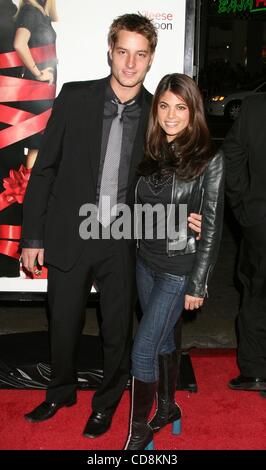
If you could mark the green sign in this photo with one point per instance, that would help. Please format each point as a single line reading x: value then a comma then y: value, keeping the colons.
x: 236, y: 6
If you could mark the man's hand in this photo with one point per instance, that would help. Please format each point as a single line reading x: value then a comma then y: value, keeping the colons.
x: 194, y: 222
x: 193, y: 302
x: 30, y: 256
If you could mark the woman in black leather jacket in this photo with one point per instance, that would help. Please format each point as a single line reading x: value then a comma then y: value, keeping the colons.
x: 179, y: 175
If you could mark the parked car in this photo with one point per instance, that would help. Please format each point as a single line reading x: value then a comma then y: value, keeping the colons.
x: 229, y: 104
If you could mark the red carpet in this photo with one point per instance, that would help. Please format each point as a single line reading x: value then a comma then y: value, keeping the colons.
x: 213, y: 418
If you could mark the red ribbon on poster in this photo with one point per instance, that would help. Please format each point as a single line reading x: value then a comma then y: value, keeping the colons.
x: 12, y: 89
x: 21, y: 89
x: 24, y: 129
x: 22, y: 125
x: 15, y: 186
x: 12, y: 115
x: 13, y: 232
x: 41, y: 54
x: 10, y: 247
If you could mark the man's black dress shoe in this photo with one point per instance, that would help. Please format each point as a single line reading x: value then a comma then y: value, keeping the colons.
x: 46, y: 410
x: 97, y: 424
x: 248, y: 383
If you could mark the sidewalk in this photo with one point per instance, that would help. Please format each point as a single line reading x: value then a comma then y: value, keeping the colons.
x: 214, y: 325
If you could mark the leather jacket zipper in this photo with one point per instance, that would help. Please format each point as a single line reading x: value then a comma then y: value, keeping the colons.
x: 206, y: 282
x: 201, y: 201
x: 168, y: 215
x: 136, y: 213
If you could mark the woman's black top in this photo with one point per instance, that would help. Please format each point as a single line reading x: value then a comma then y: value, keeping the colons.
x: 154, y: 190
x: 42, y: 33
x: 41, y: 29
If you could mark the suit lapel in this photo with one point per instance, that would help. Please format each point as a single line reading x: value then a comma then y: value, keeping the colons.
x: 138, y: 148
x: 95, y: 109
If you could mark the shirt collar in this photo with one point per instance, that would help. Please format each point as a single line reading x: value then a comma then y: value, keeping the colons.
x: 110, y: 95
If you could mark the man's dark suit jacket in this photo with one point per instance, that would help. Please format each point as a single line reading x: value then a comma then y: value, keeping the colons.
x: 245, y: 157
x: 65, y: 174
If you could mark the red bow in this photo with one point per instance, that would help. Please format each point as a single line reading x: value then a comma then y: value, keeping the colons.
x: 15, y: 186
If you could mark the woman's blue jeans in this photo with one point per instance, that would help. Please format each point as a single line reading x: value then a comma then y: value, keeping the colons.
x: 161, y: 297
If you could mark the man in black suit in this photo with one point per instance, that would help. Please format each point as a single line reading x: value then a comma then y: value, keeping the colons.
x: 67, y: 174
x: 244, y: 148
x: 71, y: 169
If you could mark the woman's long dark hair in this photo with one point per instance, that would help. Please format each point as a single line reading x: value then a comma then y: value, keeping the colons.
x: 189, y: 153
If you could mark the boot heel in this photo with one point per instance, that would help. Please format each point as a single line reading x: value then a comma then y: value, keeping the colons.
x: 176, y: 427
x: 149, y: 446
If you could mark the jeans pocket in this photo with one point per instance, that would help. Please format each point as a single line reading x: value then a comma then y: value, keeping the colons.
x: 174, y: 277
x: 171, y: 283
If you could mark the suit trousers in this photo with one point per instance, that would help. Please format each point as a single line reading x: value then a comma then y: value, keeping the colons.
x: 111, y: 264
x: 252, y: 315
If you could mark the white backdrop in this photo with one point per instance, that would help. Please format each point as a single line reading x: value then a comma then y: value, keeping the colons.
x: 82, y: 36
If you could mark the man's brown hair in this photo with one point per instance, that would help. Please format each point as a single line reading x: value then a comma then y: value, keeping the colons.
x: 136, y: 23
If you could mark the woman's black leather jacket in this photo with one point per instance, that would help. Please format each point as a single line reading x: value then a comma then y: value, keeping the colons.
x: 203, y: 195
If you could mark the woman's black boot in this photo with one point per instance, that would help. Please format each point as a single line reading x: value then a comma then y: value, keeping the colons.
x: 167, y: 410
x: 140, y: 433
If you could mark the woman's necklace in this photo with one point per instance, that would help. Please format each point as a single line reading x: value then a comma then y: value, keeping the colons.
x: 157, y: 182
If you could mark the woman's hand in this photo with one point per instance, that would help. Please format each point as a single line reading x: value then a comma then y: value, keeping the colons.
x: 46, y: 75
x: 192, y: 303
x: 21, y: 45
x: 195, y: 221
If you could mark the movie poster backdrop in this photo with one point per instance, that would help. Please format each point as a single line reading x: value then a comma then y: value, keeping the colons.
x: 77, y: 50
